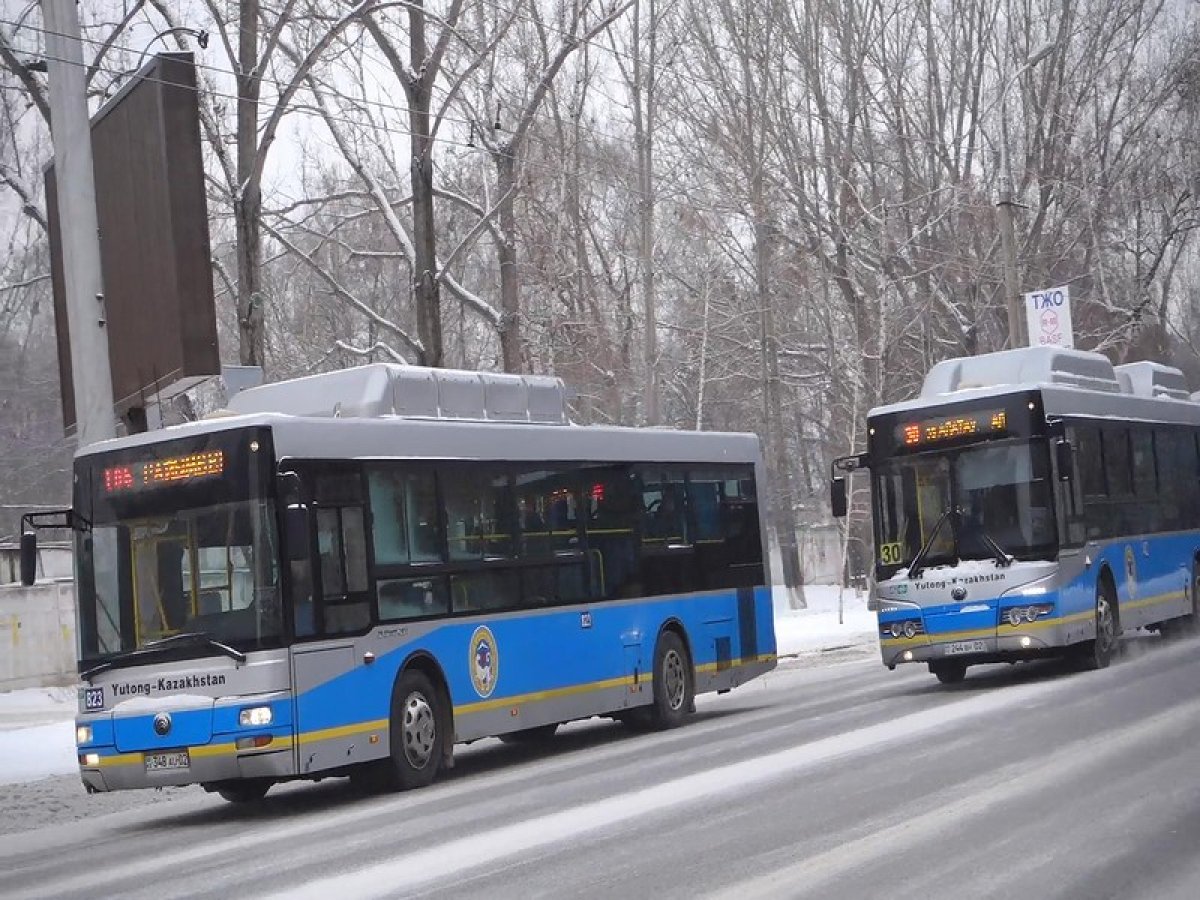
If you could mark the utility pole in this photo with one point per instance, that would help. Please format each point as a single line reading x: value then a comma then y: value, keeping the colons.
x: 78, y: 225
x: 1008, y: 241
x: 1005, y: 204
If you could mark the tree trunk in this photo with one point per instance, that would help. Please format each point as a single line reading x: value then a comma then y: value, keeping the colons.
x: 426, y: 287
x: 777, y: 459
x: 247, y: 204
x: 510, y: 303
x: 643, y: 129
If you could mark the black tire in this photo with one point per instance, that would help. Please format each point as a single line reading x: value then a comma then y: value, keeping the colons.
x: 1188, y: 625
x: 1185, y: 625
x: 416, y: 732
x: 528, y: 736
x: 250, y: 790
x: 1097, y: 653
x: 674, y: 683
x: 952, y: 672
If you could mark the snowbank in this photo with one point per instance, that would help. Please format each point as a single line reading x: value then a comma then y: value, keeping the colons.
x: 817, y: 627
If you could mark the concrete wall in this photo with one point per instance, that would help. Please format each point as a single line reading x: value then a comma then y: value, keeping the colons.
x: 37, y: 635
x: 55, y: 560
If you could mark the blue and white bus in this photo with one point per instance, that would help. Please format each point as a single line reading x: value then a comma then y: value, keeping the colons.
x: 1028, y: 503
x: 356, y: 571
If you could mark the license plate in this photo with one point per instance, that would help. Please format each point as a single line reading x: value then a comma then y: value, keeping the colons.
x: 162, y: 762
x: 966, y: 647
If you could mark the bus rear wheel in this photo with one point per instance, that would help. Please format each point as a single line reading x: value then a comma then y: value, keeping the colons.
x: 1097, y: 653
x: 951, y: 672
x: 674, y: 682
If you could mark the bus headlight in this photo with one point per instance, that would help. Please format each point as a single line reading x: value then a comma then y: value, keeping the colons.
x: 255, y: 716
x: 90, y: 760
x: 910, y: 629
x: 1014, y: 617
x: 83, y: 734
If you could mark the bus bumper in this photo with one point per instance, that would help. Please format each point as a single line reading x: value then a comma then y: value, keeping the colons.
x: 114, y: 771
x: 1008, y: 645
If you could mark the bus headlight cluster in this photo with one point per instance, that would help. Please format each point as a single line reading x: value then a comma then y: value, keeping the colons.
x: 255, y: 715
x: 1018, y: 614
x: 83, y: 734
x: 908, y: 628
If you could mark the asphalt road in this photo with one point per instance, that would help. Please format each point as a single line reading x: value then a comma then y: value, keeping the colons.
x: 844, y: 781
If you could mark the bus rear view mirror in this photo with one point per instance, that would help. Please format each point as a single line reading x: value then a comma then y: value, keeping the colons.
x: 28, y: 557
x: 1064, y: 460
x: 837, y: 497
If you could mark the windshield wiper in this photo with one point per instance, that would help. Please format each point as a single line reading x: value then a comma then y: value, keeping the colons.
x: 163, y: 646
x: 918, y: 563
x: 1003, y: 559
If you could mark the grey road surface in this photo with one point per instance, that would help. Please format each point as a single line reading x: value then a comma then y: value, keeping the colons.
x: 849, y: 781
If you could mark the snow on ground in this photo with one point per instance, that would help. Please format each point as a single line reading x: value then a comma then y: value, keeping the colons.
x: 37, y: 733
x: 817, y: 628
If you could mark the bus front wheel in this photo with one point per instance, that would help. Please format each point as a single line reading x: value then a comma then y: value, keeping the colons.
x: 951, y: 672
x: 415, y: 732
x: 249, y: 790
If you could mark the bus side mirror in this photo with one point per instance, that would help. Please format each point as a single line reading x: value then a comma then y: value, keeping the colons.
x: 295, y: 530
x: 1064, y: 460
x: 837, y: 497
x: 28, y: 557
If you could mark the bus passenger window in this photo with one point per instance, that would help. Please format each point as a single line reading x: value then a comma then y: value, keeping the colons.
x: 480, y: 511
x: 403, y: 517
x: 611, y: 509
x: 412, y: 598
x: 484, y: 591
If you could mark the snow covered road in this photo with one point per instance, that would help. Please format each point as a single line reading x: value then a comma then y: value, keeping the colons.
x: 838, y: 781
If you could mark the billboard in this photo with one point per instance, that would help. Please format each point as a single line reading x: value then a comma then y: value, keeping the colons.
x: 158, y: 305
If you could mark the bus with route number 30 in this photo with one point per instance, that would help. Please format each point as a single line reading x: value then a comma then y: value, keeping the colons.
x: 356, y: 571
x: 1029, y: 503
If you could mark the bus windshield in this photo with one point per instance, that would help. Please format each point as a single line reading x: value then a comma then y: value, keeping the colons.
x: 184, y: 543
x: 998, y: 494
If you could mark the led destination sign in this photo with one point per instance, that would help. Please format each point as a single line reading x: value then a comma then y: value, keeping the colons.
x: 160, y: 472
x: 987, y: 422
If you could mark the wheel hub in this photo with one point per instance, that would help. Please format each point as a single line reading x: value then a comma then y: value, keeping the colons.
x: 420, y: 730
x: 674, y: 679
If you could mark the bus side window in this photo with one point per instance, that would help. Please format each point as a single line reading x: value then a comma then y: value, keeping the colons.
x: 342, y: 545
x: 1089, y: 469
x: 611, y: 514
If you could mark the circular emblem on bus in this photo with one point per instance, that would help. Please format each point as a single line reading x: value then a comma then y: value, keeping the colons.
x: 959, y: 594
x: 484, y: 662
x: 1131, y: 571
x: 162, y: 724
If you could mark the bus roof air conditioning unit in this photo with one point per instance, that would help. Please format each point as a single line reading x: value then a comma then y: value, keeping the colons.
x: 1026, y: 365
x: 384, y: 389
x: 1151, y: 379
